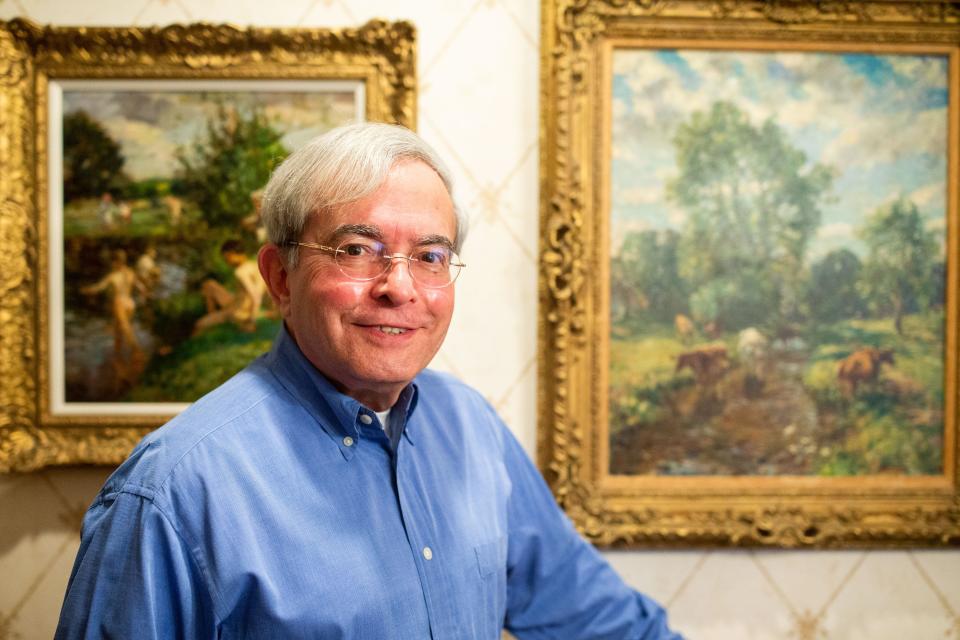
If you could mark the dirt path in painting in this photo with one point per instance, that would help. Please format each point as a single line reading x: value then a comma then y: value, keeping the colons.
x: 758, y: 422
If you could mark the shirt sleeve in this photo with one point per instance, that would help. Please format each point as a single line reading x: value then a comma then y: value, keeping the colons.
x: 558, y: 585
x: 134, y: 578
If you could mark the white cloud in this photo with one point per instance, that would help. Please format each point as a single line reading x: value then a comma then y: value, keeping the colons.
x: 893, y: 194
x: 842, y: 149
x: 676, y: 216
x: 619, y: 109
x: 623, y: 150
x: 638, y: 195
x: 658, y: 96
x: 835, y: 230
x: 619, y: 230
x: 923, y: 73
x: 147, y: 149
x: 665, y: 172
x: 797, y: 114
x: 887, y: 138
x: 934, y: 193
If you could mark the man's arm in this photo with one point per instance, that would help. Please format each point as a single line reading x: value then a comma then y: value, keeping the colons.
x: 558, y: 585
x: 98, y: 286
x: 134, y: 578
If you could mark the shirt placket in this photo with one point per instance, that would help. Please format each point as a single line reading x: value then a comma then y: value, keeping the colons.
x: 421, y: 541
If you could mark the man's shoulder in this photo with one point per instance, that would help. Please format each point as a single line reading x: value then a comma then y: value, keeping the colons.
x: 223, y: 405
x: 199, y: 427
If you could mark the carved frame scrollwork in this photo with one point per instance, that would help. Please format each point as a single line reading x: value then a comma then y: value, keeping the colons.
x: 380, y: 54
x: 573, y: 332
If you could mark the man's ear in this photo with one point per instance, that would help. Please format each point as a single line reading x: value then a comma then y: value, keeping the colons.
x: 274, y: 272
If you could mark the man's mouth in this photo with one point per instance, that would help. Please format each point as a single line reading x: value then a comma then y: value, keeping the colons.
x: 394, y: 331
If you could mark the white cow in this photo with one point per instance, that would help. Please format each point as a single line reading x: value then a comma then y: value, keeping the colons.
x: 751, y: 349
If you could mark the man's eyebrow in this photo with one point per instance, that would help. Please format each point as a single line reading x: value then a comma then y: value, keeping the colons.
x: 365, y: 230
x: 374, y: 233
x: 435, y: 239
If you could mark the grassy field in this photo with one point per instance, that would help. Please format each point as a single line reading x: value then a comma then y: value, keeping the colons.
x: 786, y: 414
x: 147, y: 220
x: 203, y: 362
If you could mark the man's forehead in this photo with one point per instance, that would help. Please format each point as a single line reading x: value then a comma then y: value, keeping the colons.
x: 348, y: 220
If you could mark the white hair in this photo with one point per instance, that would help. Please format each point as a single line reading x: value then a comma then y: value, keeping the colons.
x: 337, y: 168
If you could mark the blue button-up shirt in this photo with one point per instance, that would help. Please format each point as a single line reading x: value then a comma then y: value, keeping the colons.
x: 276, y: 507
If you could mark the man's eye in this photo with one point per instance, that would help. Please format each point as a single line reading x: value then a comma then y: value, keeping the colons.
x: 357, y: 250
x: 435, y: 256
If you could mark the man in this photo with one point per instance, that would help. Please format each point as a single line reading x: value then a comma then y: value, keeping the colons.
x: 335, y: 488
x: 242, y: 307
x: 121, y: 281
x: 147, y: 270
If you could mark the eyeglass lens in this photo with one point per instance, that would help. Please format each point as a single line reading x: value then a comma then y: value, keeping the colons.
x: 431, y: 265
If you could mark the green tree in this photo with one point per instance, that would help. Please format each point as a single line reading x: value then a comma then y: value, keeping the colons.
x: 735, y: 300
x: 753, y: 203
x: 902, y: 256
x: 938, y: 282
x: 92, y: 161
x: 832, y: 292
x: 647, y: 268
x: 229, y: 163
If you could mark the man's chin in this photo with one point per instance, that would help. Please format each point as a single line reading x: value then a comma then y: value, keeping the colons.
x: 375, y: 387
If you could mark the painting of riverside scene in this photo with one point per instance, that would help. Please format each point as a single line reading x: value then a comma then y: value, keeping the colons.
x: 778, y: 252
x: 162, y: 297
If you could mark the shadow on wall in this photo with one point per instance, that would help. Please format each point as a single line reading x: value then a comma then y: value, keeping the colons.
x: 45, y: 503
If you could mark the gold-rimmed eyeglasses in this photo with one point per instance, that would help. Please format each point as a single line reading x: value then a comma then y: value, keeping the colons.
x: 432, y: 265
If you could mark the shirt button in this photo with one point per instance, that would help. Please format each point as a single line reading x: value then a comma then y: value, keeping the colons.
x: 428, y: 553
x: 365, y: 419
x: 347, y: 441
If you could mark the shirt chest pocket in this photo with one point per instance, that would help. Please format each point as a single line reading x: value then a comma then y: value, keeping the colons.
x: 489, y: 595
x: 492, y: 557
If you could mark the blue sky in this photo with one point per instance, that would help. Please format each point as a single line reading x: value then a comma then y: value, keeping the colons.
x: 879, y: 120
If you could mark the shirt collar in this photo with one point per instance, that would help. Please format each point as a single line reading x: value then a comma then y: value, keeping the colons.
x: 402, y: 411
x: 337, y: 414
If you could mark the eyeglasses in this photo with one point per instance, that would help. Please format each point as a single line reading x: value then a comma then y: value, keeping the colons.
x: 434, y: 265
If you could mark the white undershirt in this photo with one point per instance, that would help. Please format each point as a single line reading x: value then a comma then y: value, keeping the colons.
x: 384, y: 417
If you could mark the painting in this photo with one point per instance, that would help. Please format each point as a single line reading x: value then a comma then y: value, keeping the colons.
x: 162, y: 299
x: 131, y: 198
x: 777, y: 262
x: 748, y: 326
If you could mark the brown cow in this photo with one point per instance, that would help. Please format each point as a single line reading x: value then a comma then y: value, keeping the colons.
x: 704, y: 362
x: 863, y: 365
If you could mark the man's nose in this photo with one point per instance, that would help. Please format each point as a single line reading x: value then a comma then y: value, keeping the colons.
x: 397, y: 281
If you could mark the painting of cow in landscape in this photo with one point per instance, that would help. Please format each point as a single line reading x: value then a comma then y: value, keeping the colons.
x: 778, y: 233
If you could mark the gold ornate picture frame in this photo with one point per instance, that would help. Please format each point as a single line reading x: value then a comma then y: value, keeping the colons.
x: 717, y: 372
x: 71, y: 234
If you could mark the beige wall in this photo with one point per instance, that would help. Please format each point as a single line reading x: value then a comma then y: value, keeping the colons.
x: 478, y: 72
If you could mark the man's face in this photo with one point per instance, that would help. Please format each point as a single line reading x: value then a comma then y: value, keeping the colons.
x: 348, y: 328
